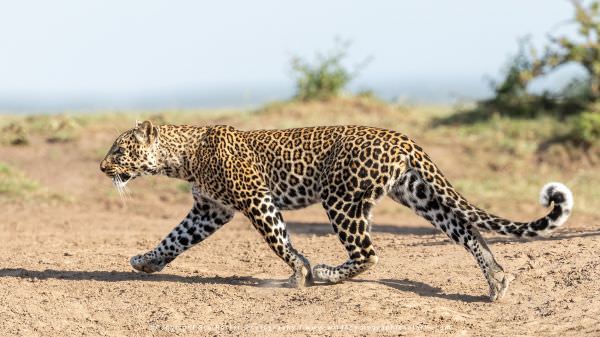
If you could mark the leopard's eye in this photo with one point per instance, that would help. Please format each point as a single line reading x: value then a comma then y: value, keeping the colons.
x: 120, y: 151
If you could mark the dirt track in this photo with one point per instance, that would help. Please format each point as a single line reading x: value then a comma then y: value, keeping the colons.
x: 65, y: 269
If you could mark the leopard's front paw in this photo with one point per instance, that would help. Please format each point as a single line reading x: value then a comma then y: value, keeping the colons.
x: 498, y: 283
x: 147, y: 263
x: 301, y: 278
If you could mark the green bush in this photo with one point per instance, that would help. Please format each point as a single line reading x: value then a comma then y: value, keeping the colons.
x: 586, y: 128
x: 511, y: 96
x: 326, y: 77
x: 576, y: 104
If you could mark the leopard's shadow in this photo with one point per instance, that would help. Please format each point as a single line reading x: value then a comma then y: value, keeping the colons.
x: 122, y: 276
x: 416, y: 287
x: 424, y: 289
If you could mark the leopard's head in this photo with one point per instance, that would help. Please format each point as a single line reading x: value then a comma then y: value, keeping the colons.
x: 133, y: 154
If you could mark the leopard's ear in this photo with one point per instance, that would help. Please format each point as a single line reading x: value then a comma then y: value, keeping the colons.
x: 145, y: 132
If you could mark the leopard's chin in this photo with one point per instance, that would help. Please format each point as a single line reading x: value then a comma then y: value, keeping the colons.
x: 124, y: 177
x: 120, y: 180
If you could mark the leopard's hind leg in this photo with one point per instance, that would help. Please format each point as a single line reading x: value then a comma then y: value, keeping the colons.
x: 354, y: 178
x: 352, y: 228
x: 412, y: 191
x: 350, y: 215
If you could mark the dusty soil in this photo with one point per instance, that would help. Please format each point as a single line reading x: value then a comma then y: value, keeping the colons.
x: 65, y: 270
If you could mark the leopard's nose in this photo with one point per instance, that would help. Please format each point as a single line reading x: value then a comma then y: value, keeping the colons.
x: 103, y: 166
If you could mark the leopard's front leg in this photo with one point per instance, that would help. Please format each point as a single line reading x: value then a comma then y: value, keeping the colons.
x: 267, y: 219
x: 204, y: 219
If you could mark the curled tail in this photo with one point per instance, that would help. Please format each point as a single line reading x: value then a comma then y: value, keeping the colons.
x: 555, y: 194
x: 457, y: 207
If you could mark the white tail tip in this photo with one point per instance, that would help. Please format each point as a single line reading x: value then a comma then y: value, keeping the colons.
x: 557, y: 193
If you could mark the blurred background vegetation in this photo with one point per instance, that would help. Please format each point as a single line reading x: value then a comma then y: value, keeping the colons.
x: 327, y: 77
x: 569, y: 116
x: 575, y: 104
x: 515, y: 129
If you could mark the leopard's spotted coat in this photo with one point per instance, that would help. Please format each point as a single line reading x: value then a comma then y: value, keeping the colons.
x: 345, y: 168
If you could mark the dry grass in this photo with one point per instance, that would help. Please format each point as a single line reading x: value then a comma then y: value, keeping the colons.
x: 14, y: 184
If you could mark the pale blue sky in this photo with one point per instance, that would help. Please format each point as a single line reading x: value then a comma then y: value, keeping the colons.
x: 126, y: 53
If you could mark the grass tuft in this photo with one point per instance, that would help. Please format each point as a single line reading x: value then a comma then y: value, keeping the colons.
x: 14, y: 134
x: 14, y: 184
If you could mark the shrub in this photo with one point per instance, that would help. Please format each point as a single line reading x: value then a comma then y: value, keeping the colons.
x: 326, y: 77
x: 511, y: 96
x: 576, y: 102
x: 586, y: 128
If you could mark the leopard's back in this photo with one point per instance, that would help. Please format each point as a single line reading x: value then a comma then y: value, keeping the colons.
x: 292, y: 161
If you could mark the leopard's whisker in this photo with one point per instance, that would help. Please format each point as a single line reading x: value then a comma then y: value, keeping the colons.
x: 126, y: 191
x: 118, y: 183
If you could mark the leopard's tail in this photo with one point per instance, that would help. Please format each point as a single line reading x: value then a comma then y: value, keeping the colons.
x: 424, y: 188
x: 552, y: 194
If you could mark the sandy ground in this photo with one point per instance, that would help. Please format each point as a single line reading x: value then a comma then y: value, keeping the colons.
x: 65, y: 270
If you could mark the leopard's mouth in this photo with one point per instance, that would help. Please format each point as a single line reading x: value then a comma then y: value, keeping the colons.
x: 121, y: 179
x: 124, y: 177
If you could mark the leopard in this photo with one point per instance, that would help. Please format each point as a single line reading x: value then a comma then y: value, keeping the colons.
x: 347, y: 169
